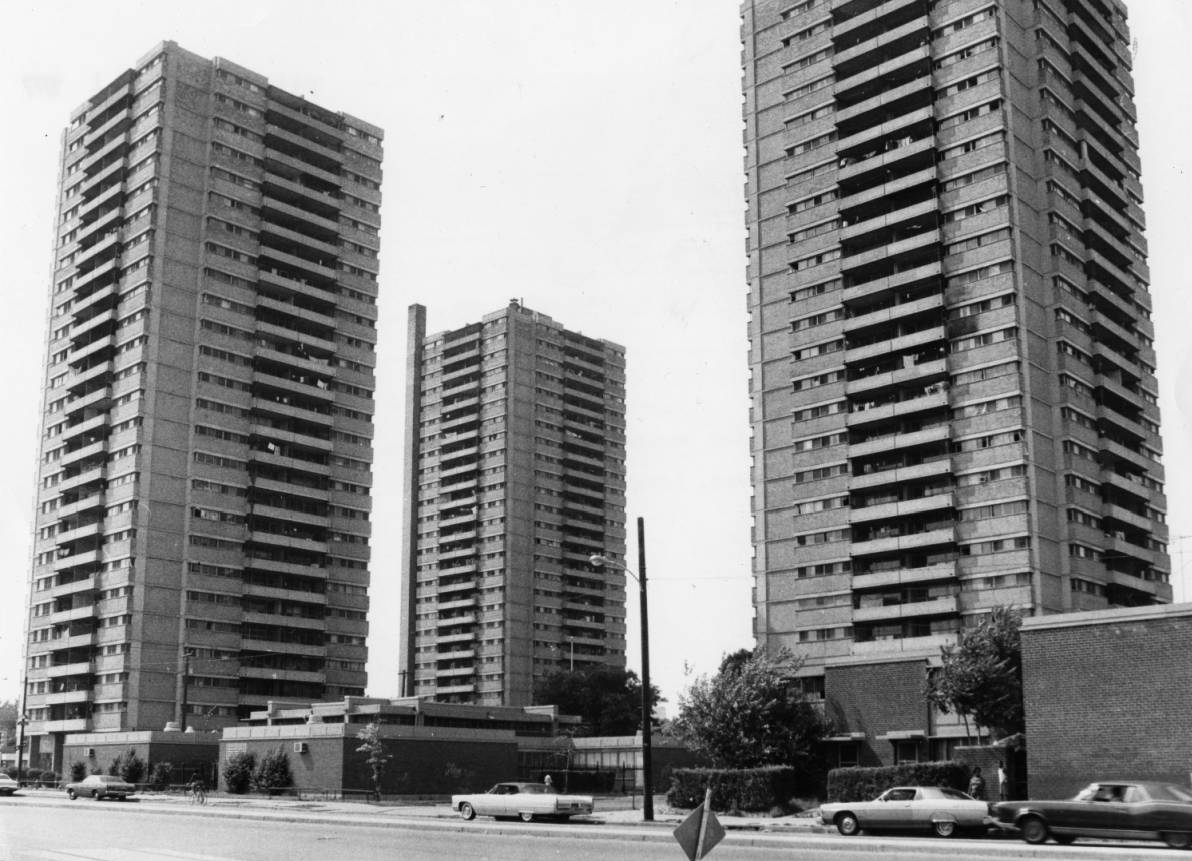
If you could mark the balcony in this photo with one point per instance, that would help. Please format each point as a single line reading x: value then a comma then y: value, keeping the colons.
x: 934, y: 607
x: 899, y: 344
x: 901, y: 508
x: 895, y: 543
x: 929, y: 645
x: 904, y: 576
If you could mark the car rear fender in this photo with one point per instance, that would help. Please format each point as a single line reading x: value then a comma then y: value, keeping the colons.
x: 1024, y: 812
x: 943, y: 816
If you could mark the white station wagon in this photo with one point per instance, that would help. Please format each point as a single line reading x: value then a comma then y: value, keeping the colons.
x: 526, y: 800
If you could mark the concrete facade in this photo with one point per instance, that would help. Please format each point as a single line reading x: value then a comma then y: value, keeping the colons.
x: 515, y: 457
x: 1107, y: 695
x: 206, y: 449
x: 953, y: 377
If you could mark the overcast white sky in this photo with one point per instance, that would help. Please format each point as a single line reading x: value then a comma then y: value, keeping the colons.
x: 584, y: 157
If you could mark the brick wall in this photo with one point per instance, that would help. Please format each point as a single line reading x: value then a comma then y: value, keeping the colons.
x: 876, y: 699
x: 1107, y: 694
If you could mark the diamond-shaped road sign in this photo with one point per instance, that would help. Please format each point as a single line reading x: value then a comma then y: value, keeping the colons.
x: 699, y: 833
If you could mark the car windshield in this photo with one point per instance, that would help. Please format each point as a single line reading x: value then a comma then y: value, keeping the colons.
x: 948, y: 792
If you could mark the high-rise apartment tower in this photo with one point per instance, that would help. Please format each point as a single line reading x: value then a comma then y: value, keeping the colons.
x: 203, y: 503
x: 954, y: 397
x: 515, y: 465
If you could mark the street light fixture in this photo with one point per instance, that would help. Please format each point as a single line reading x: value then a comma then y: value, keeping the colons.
x: 599, y: 561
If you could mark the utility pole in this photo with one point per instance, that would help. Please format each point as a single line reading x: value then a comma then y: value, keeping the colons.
x: 185, y: 680
x: 647, y: 711
x: 21, y: 721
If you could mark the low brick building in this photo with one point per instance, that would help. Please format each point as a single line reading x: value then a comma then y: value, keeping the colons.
x: 1107, y: 694
x: 880, y: 713
x: 189, y: 754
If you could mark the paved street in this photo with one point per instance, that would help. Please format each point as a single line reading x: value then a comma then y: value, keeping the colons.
x: 49, y: 828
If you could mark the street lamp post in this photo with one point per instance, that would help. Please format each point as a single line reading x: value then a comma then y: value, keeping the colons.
x: 21, y: 721
x: 647, y: 749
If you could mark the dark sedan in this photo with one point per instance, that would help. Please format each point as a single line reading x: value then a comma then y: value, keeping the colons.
x: 1115, y: 809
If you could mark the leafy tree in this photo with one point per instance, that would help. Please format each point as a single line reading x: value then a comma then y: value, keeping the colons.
x: 238, y: 772
x: 116, y: 765
x: 608, y: 699
x: 750, y: 715
x: 161, y: 774
x: 132, y: 767
x: 374, y: 747
x: 78, y: 770
x: 981, y: 678
x: 8, y: 721
x: 273, y: 772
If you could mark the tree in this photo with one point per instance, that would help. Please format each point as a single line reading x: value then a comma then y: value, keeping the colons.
x: 8, y: 722
x: 981, y: 678
x: 161, y: 775
x: 238, y: 772
x: 374, y: 747
x: 608, y: 699
x: 273, y: 772
x: 78, y: 770
x: 132, y: 767
x: 750, y: 714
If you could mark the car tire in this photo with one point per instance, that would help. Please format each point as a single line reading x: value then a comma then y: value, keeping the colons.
x: 944, y: 828
x: 95, y: 795
x: 467, y: 812
x: 1178, y: 839
x: 847, y: 824
x: 71, y: 794
x: 526, y: 817
x: 1034, y: 830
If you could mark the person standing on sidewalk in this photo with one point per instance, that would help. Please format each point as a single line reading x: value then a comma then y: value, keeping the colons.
x: 976, y: 786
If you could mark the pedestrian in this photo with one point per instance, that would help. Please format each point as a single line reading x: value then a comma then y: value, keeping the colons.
x: 550, y: 784
x: 976, y: 787
x: 1003, y: 787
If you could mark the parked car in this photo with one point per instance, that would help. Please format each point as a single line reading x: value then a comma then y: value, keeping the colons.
x: 100, y: 786
x: 7, y: 785
x: 527, y: 800
x: 1117, y: 809
x: 940, y: 809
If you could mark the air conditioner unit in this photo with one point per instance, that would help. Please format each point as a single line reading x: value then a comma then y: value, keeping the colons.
x: 300, y: 747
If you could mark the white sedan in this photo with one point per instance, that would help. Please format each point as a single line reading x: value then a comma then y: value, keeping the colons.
x: 7, y: 785
x: 527, y: 800
x: 936, y: 808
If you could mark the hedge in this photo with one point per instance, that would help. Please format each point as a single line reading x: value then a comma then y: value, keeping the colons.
x: 733, y: 788
x: 865, y: 784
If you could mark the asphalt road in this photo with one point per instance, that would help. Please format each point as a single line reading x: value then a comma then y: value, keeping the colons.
x: 115, y: 831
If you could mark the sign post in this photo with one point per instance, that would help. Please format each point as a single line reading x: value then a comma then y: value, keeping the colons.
x: 699, y: 833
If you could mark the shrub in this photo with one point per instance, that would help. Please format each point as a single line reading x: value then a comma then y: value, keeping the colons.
x: 115, y: 765
x: 864, y: 784
x: 733, y: 789
x: 78, y: 770
x: 238, y: 772
x: 273, y: 772
x: 33, y: 776
x: 132, y: 768
x: 159, y: 776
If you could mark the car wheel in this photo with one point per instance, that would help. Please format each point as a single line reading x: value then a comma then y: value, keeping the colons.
x: 526, y: 817
x: 847, y: 824
x: 1178, y: 839
x: 1034, y: 830
x: 95, y: 794
x: 944, y: 828
x: 71, y: 794
x: 467, y: 811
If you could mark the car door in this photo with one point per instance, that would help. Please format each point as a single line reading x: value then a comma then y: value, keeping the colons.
x: 893, y: 809
x: 509, y: 801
